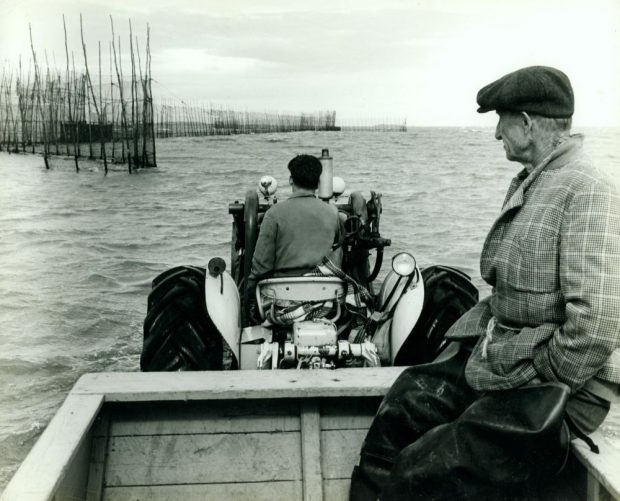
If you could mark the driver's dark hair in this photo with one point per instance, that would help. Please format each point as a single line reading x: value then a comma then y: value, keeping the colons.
x: 306, y: 171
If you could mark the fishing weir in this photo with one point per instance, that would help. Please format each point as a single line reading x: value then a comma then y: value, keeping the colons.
x: 112, y: 117
x: 178, y: 119
x: 55, y: 112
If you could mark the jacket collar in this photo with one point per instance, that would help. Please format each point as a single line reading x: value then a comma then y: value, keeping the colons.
x: 563, y: 154
x: 298, y: 194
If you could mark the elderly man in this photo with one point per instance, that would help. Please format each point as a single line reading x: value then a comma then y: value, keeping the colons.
x: 539, y: 356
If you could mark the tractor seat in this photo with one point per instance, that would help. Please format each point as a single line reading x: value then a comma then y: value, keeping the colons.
x: 288, y: 299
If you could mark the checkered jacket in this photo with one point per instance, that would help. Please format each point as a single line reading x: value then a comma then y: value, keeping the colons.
x: 553, y: 259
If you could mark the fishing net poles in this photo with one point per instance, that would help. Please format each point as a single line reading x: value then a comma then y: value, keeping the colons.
x: 98, y: 106
x: 175, y: 117
x: 51, y: 112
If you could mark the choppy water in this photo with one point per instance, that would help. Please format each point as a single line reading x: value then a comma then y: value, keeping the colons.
x: 78, y: 251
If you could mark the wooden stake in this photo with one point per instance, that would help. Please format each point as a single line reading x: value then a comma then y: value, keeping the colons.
x: 119, y: 75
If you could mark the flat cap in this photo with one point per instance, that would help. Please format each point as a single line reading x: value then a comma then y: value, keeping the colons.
x: 536, y: 89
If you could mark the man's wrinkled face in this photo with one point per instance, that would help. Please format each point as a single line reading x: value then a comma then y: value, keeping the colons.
x: 511, y: 131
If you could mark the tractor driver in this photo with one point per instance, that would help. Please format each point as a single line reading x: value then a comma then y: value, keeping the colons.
x: 297, y: 233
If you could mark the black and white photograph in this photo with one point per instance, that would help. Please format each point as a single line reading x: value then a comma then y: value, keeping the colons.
x: 310, y: 250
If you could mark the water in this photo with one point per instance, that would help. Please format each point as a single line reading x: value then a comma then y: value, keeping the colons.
x: 79, y: 251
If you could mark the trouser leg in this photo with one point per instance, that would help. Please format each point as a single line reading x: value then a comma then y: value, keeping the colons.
x: 502, y: 447
x: 587, y: 410
x: 422, y: 398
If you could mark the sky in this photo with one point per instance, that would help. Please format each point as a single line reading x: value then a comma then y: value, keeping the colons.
x: 369, y: 60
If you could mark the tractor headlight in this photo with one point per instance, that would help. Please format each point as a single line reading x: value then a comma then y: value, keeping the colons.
x: 339, y: 186
x: 267, y: 186
x: 403, y: 264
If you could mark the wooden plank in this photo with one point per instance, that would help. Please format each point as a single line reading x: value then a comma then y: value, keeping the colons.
x: 218, y: 385
x: 51, y: 457
x: 96, y: 471
x: 336, y: 489
x: 254, y: 491
x: 191, y: 459
x: 340, y: 452
x: 348, y: 413
x: 311, y: 451
x: 219, y: 416
x: 73, y: 484
x: 101, y: 425
x: 593, y: 488
x: 603, y: 468
x: 98, y: 456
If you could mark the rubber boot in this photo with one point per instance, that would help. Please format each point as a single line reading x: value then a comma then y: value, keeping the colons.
x: 422, y: 397
x: 504, y: 444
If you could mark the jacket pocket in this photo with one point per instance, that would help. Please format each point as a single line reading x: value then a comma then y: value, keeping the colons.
x: 534, y: 265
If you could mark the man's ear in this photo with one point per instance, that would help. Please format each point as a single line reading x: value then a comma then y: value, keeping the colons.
x: 526, y: 121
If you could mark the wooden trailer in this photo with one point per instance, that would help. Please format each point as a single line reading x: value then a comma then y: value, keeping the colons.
x: 238, y: 435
